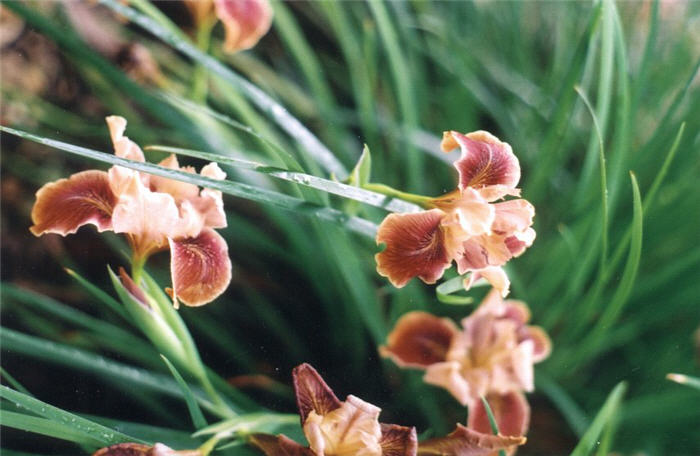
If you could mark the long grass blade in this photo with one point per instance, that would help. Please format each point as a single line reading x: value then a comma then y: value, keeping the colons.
x: 263, y: 101
x: 89, y: 428
x: 355, y: 224
x: 604, y: 417
x: 192, y: 406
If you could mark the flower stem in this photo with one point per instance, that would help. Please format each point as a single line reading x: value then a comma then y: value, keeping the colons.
x: 423, y: 201
x: 199, y: 78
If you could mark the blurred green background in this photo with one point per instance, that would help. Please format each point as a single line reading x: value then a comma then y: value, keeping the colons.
x: 621, y: 302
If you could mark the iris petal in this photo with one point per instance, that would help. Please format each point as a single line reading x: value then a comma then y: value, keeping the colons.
x: 398, y: 440
x: 200, y: 267
x: 65, y: 205
x: 245, y: 21
x: 466, y: 442
x: 419, y: 339
x: 511, y: 411
x: 415, y: 247
x: 312, y: 392
x: 485, y: 160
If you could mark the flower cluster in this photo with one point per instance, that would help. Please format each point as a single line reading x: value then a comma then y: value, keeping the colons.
x: 467, y: 225
x: 155, y: 213
x: 352, y: 428
x: 492, y: 355
x: 245, y: 21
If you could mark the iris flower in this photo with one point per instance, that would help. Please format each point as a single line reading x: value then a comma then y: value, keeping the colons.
x: 467, y: 225
x: 352, y: 428
x: 245, y: 21
x: 154, y: 213
x: 492, y: 355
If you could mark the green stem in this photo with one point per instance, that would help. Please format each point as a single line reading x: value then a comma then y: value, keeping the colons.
x: 423, y: 201
x: 137, y: 264
x: 199, y: 79
x: 215, y: 396
x: 209, y: 445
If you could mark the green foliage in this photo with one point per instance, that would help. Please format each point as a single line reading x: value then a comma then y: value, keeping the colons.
x: 584, y: 92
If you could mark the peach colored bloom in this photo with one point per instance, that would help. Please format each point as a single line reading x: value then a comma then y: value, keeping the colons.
x: 153, y: 212
x: 245, y: 21
x: 466, y: 225
x: 352, y: 428
x: 492, y: 355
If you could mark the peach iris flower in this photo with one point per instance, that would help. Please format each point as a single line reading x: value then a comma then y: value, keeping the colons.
x: 352, y: 428
x: 245, y: 21
x: 492, y: 354
x: 155, y: 213
x: 467, y: 225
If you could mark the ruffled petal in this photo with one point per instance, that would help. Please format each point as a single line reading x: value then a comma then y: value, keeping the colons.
x: 65, y: 205
x: 124, y: 449
x: 178, y: 189
x: 485, y: 160
x: 200, y: 268
x: 148, y: 217
x: 415, y: 247
x: 350, y: 430
x: 123, y: 146
x: 480, y: 252
x: 511, y: 411
x: 513, y: 216
x: 210, y: 203
x: 279, y: 445
x: 419, y: 339
x: 448, y: 375
x: 466, y: 442
x: 496, y: 276
x: 313, y: 394
x: 398, y: 440
x: 541, y: 342
x: 119, y: 176
x: 245, y: 21
x: 470, y: 211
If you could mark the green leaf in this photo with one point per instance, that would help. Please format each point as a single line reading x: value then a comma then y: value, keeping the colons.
x: 263, y: 101
x: 362, y: 172
x: 604, y: 418
x: 88, y: 428
x: 46, y: 427
x: 349, y: 191
x: 192, y: 406
x: 248, y: 423
x: 682, y: 379
x: 14, y: 383
x: 260, y: 195
x: 98, y: 293
x: 444, y: 292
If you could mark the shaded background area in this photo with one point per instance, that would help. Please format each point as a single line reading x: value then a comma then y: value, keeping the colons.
x: 393, y: 77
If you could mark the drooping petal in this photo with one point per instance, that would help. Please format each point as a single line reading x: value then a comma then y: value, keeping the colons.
x: 398, y: 440
x: 351, y: 430
x: 419, y: 339
x: 511, y: 411
x: 485, y: 160
x: 495, y: 192
x: 65, y: 205
x: 312, y: 393
x: 148, y: 217
x: 496, y: 276
x: 415, y: 247
x: 448, y: 375
x: 200, y: 267
x: 245, y: 21
x: 279, y: 445
x: 178, y: 189
x: 466, y: 442
x: 540, y: 339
